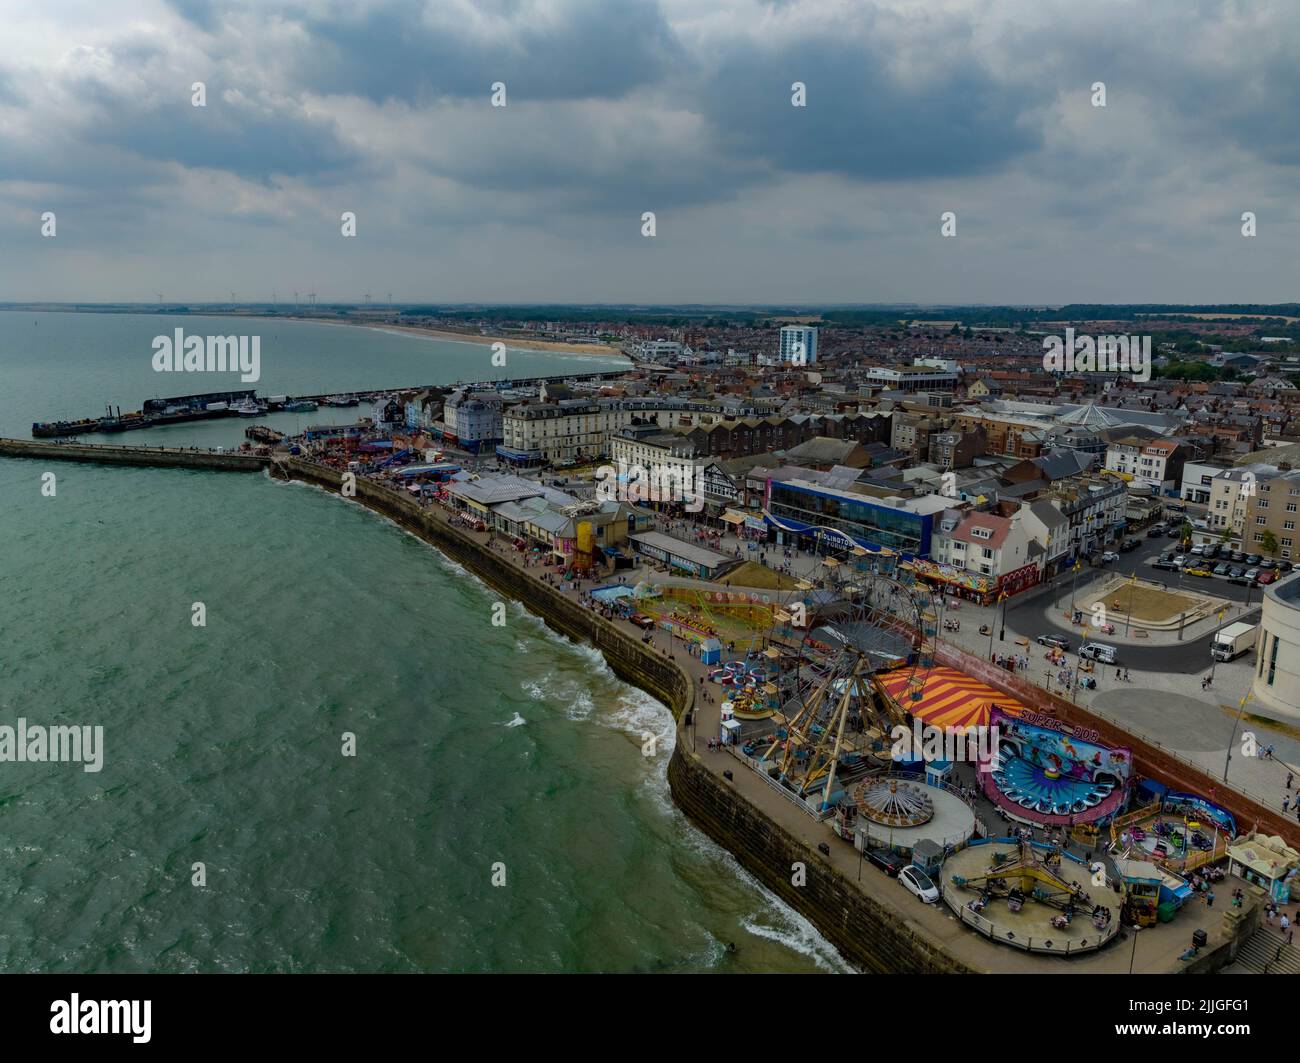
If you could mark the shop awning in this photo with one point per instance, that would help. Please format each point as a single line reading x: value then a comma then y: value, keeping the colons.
x: 732, y: 517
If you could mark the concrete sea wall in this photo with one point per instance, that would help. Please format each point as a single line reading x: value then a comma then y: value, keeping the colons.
x: 866, y: 933
x: 869, y: 935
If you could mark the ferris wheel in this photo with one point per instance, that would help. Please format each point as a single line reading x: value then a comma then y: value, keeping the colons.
x: 861, y: 613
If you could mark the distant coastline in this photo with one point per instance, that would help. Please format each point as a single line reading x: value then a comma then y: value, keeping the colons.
x: 514, y: 342
x: 509, y: 341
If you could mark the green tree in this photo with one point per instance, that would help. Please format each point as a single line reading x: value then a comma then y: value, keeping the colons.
x: 1269, y: 543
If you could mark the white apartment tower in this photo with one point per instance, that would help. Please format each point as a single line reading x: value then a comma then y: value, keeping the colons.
x: 798, y: 344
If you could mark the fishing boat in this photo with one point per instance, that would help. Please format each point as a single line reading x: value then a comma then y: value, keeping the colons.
x: 248, y: 408
x: 341, y: 400
x: 300, y: 406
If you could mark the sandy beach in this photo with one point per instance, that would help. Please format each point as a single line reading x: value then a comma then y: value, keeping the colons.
x: 509, y: 341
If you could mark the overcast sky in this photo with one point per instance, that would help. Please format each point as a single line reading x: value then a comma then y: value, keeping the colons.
x: 680, y: 107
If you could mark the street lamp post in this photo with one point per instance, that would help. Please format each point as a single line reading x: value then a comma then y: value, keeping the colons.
x: 1133, y: 957
x: 1214, y: 660
x: 1132, y: 587
x: 1241, y: 710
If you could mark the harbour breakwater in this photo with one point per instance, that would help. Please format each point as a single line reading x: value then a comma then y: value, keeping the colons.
x: 153, y: 457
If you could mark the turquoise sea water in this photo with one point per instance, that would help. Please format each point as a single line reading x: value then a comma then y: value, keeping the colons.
x: 476, y: 745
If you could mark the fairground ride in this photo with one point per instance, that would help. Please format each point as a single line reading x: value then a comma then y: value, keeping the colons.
x: 864, y: 615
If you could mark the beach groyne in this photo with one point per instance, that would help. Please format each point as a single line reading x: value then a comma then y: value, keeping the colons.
x: 152, y: 457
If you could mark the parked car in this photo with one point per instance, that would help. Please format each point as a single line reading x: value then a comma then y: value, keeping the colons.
x: 641, y: 620
x: 1198, y: 570
x: 1236, y: 572
x: 1211, y: 550
x: 1156, y: 531
x: 1108, y: 556
x: 918, y: 882
x: 887, y: 860
x: 1266, y: 576
x: 1268, y: 562
x: 1059, y: 641
x: 1221, y: 569
x: 1166, y: 562
x: 1100, y: 652
x: 1253, y: 560
x: 1198, y: 550
x: 1180, y: 560
x: 1237, y: 557
x: 1284, y: 566
x: 1250, y: 575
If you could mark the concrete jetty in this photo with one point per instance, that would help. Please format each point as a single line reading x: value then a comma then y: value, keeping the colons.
x: 158, y: 457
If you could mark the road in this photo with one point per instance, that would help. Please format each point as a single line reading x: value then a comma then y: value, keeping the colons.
x: 1025, y: 614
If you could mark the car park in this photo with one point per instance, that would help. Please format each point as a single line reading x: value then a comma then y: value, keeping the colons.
x: 887, y: 860
x: 918, y: 882
x: 1059, y: 641
x: 1100, y: 652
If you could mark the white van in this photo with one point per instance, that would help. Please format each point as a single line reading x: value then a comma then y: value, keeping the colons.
x: 1099, y: 652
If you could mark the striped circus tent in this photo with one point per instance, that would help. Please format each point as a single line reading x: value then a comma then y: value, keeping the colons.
x: 949, y: 698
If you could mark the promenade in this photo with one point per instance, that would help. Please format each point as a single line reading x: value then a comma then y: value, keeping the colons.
x: 1156, y: 951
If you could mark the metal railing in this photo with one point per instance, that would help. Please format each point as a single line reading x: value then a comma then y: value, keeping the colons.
x: 1042, y: 943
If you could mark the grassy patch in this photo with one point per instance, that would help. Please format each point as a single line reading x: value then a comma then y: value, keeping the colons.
x: 752, y: 574
x: 1148, y: 603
